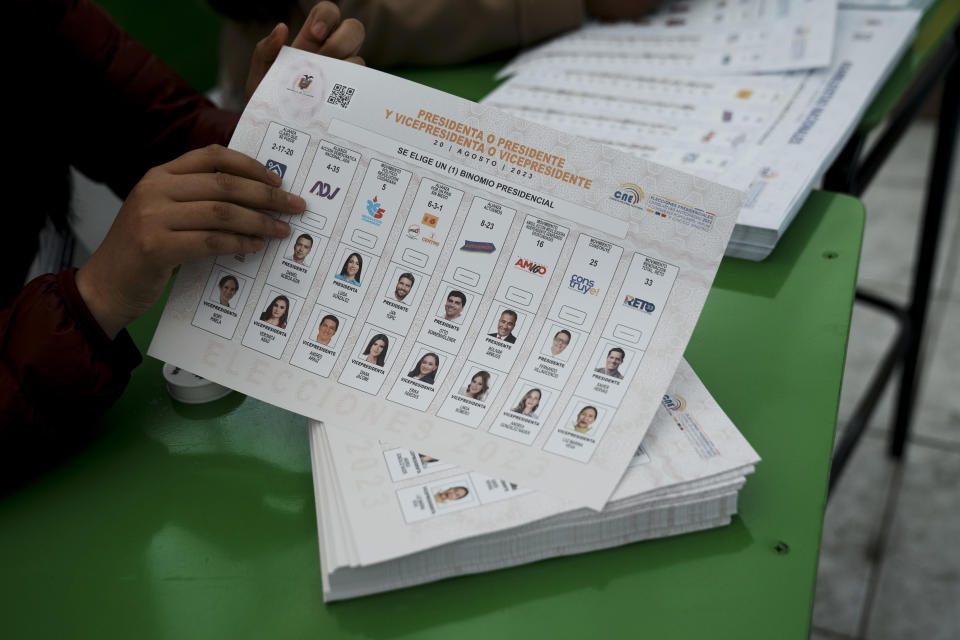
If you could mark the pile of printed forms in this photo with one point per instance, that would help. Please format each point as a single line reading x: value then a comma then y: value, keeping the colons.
x: 755, y: 94
x: 684, y: 477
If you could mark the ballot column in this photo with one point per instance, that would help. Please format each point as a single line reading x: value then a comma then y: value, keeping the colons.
x: 507, y: 324
x: 453, y: 305
x: 324, y: 191
x: 232, y: 277
x: 365, y: 235
x: 613, y: 364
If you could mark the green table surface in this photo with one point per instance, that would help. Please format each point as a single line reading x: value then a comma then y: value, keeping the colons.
x: 198, y: 521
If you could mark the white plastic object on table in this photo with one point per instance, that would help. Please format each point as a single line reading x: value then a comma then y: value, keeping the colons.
x: 190, y: 388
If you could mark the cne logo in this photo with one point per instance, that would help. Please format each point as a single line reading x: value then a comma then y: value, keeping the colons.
x: 674, y: 403
x: 532, y: 267
x: 628, y: 193
x: 638, y: 304
x: 322, y: 190
x: 769, y: 173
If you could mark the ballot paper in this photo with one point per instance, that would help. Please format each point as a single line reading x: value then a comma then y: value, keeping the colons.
x: 773, y: 134
x: 511, y: 297
x: 710, y: 126
x: 698, y: 36
x: 822, y: 115
x: 884, y: 4
x: 391, y: 517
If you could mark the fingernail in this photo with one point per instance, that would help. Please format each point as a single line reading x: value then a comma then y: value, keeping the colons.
x: 274, y: 178
x: 296, y: 202
x: 319, y: 29
x: 282, y: 228
x: 274, y: 32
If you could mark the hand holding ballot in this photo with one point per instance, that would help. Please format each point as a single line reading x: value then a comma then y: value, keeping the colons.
x: 158, y: 227
x: 323, y: 33
x: 201, y: 204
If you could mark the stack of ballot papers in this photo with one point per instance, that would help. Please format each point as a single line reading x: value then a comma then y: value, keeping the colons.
x: 505, y: 303
x: 656, y: 90
x: 391, y: 517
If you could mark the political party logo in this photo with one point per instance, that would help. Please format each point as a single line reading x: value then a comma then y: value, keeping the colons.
x: 768, y: 173
x: 628, y: 193
x: 431, y: 239
x: 374, y: 209
x: 583, y: 285
x: 473, y: 246
x: 532, y: 267
x: 638, y: 304
x: 430, y: 220
x: 744, y: 94
x: 413, y: 231
x: 374, y: 214
x: 323, y: 190
x: 674, y: 403
x: 304, y: 82
x: 277, y: 167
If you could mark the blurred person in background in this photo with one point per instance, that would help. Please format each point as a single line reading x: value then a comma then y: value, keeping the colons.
x: 414, y: 32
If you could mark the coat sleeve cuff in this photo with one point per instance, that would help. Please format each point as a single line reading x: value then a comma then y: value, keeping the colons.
x: 120, y: 352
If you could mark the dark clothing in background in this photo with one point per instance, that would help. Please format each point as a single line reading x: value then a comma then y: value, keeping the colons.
x: 93, y: 98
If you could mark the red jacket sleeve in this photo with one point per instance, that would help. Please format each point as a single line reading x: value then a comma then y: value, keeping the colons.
x: 115, y: 110
x: 129, y: 111
x: 57, y: 366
